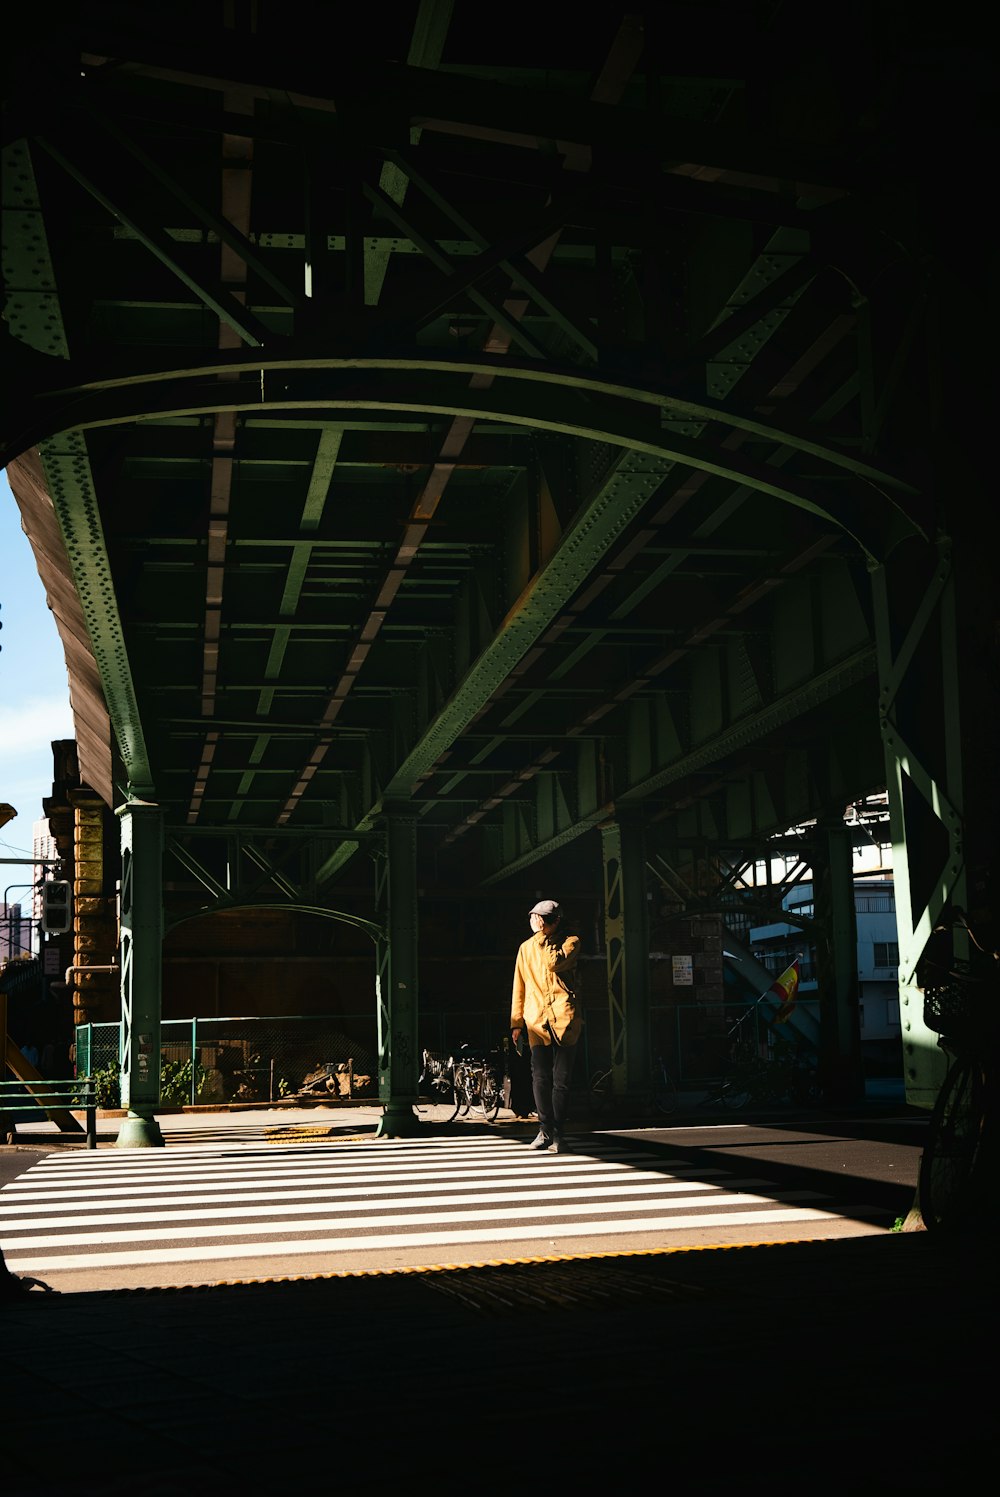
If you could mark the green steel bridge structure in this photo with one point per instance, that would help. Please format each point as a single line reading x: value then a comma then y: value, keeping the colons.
x: 460, y: 441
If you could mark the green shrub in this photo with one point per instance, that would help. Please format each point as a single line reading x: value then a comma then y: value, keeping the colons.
x: 175, y: 1082
x: 108, y: 1091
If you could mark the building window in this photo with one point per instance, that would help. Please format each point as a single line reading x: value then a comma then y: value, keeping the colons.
x: 886, y: 953
x: 892, y: 1013
x: 875, y: 904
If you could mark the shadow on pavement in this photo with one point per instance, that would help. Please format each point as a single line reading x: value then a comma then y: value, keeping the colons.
x: 816, y: 1358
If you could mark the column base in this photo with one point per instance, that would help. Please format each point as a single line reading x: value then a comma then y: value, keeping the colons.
x: 398, y: 1121
x: 138, y: 1132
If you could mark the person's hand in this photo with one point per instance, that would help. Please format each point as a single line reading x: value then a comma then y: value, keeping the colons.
x: 515, y: 1035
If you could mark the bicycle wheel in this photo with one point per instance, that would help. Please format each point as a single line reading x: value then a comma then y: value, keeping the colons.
x: 949, y: 1192
x: 463, y: 1092
x: 490, y: 1095
x: 734, y: 1094
x: 663, y: 1093
x: 452, y: 1100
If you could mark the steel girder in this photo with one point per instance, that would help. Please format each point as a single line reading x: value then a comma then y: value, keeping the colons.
x: 925, y: 764
x: 141, y: 971
x: 626, y: 944
x: 397, y: 978
x: 74, y: 498
x: 268, y: 869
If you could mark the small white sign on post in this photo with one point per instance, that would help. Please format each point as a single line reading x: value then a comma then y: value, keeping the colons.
x: 51, y: 960
x: 683, y: 970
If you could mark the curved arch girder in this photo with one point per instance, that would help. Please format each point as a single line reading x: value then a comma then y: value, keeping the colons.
x: 557, y: 401
x: 370, y: 927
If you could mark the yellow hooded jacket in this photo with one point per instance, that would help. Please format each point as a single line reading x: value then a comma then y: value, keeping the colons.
x: 543, y: 1000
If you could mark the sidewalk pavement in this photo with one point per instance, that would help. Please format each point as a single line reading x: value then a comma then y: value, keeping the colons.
x: 342, y: 1118
x: 190, y: 1123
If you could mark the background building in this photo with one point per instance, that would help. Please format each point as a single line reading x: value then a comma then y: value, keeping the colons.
x: 776, y: 945
x: 43, y: 847
x: 15, y: 932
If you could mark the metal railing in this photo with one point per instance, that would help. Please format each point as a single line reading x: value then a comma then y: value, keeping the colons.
x: 58, y: 1099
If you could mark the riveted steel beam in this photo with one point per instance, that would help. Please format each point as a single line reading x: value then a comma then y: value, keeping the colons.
x: 74, y: 498
x: 31, y: 309
x: 598, y: 524
x: 141, y: 971
x: 756, y: 726
x: 627, y: 946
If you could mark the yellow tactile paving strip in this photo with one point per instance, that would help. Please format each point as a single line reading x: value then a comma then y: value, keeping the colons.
x: 596, y: 1288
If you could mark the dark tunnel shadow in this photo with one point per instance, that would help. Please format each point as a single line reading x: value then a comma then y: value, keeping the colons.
x: 363, y: 1381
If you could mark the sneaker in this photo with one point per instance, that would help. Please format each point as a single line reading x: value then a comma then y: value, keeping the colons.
x: 542, y: 1141
x: 560, y: 1146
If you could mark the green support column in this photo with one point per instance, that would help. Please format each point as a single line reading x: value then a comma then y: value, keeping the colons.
x: 141, y: 969
x: 396, y: 979
x: 626, y: 938
x: 841, y: 1070
x: 924, y: 656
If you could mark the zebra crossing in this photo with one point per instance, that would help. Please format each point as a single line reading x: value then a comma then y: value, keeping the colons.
x: 231, y: 1200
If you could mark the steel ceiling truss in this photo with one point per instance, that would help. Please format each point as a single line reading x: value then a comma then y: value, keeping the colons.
x: 507, y: 442
x: 658, y: 748
x: 265, y: 868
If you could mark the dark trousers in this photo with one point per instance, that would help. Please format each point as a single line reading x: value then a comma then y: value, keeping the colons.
x: 551, y: 1074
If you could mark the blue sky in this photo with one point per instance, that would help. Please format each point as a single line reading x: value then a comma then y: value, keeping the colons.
x: 34, y: 688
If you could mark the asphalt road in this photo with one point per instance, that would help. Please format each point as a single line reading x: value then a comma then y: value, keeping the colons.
x: 820, y: 1178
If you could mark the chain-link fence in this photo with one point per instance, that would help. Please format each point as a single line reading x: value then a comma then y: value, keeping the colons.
x: 268, y: 1059
x: 242, y: 1060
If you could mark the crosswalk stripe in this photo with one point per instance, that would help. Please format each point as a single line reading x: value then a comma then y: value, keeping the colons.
x: 331, y: 1179
x: 375, y: 1243
x: 294, y: 1158
x: 400, y: 1219
x: 570, y: 1204
x: 16, y: 1222
x: 216, y: 1203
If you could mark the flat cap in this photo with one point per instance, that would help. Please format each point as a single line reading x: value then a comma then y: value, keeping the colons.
x: 547, y: 908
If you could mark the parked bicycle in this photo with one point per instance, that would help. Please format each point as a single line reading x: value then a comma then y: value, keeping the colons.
x: 784, y: 1074
x: 437, y: 1077
x: 464, y: 1081
x: 660, y: 1096
x: 478, y: 1084
x: 781, y: 1078
x: 955, y: 1182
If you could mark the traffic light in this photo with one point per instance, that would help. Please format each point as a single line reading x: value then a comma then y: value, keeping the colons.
x: 57, y: 914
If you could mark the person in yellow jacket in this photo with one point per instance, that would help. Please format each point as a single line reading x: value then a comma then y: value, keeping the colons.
x: 543, y: 1003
